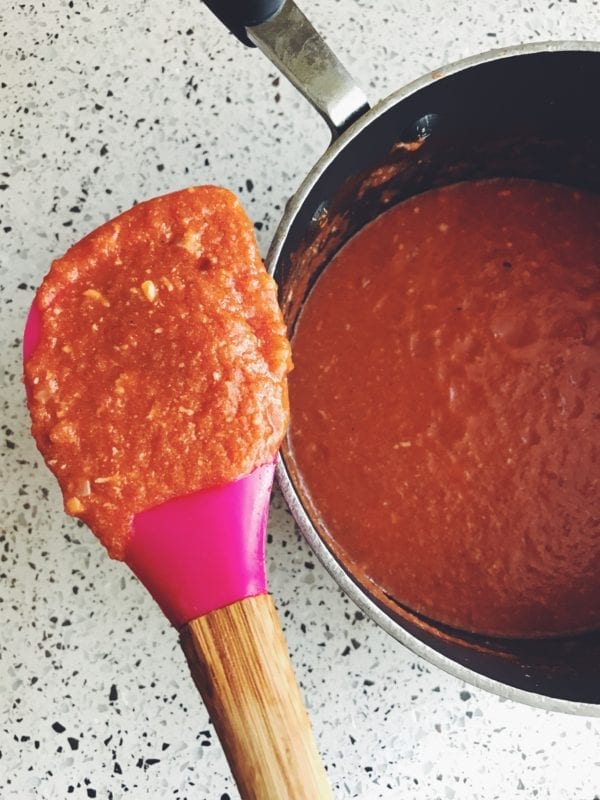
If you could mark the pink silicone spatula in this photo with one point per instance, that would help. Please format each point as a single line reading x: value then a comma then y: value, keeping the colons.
x: 202, y: 557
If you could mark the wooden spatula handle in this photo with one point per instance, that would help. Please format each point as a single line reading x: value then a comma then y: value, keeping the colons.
x: 239, y: 662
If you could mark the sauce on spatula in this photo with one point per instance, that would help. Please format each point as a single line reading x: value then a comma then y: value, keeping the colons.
x: 161, y: 360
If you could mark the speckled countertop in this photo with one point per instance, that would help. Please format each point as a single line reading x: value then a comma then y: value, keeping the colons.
x: 106, y: 103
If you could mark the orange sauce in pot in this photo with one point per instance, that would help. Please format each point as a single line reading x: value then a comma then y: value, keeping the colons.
x: 446, y: 405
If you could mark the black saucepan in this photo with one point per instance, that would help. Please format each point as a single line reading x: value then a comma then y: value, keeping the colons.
x: 527, y: 111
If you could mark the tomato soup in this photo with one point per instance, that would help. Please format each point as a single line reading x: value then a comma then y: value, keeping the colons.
x: 446, y: 406
x: 161, y: 366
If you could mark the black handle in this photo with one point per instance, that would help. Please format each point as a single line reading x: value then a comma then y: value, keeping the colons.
x: 237, y: 15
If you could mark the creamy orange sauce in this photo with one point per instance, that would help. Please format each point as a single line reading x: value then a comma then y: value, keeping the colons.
x: 446, y: 405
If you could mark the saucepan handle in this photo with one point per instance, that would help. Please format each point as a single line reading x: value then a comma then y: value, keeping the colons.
x: 286, y: 37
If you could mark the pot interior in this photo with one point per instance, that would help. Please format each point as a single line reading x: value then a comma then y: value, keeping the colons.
x: 528, y: 115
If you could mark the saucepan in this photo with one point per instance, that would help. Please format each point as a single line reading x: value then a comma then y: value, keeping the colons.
x: 526, y: 111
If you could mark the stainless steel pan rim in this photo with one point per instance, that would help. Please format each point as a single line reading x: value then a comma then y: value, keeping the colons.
x: 352, y: 589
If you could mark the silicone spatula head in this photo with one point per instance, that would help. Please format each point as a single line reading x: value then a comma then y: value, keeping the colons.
x: 155, y: 364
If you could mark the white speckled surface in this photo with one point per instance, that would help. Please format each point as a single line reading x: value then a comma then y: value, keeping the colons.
x: 102, y: 104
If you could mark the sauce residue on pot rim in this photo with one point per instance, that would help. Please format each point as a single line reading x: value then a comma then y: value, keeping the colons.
x: 162, y: 362
x: 445, y: 405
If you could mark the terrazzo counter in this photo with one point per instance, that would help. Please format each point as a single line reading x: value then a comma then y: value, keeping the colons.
x: 103, y: 105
